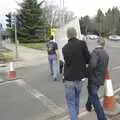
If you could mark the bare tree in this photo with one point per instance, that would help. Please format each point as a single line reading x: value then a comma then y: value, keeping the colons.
x: 53, y: 14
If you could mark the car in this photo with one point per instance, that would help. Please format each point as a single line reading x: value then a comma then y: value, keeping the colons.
x: 114, y: 37
x: 83, y: 37
x: 92, y: 37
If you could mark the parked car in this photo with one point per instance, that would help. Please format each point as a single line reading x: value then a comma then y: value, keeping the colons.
x: 83, y: 37
x: 114, y: 37
x: 92, y: 37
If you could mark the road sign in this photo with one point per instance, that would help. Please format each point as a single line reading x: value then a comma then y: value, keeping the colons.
x: 53, y: 31
x: 61, y: 37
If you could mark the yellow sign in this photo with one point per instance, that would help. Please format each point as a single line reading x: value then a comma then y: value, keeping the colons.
x: 53, y: 31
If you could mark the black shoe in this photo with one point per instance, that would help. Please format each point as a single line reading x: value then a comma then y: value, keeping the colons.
x: 55, y: 79
x: 88, y: 107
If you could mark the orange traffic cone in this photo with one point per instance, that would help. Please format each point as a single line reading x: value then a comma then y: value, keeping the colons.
x: 109, y: 99
x: 12, y: 72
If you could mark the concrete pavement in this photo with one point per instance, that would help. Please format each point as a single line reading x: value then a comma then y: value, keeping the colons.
x: 92, y: 116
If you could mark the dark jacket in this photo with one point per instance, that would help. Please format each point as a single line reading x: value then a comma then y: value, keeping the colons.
x: 51, y: 47
x: 97, y: 66
x: 76, y: 56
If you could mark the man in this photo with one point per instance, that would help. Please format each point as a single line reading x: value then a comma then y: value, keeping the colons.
x: 96, y: 75
x: 52, y: 49
x: 76, y: 56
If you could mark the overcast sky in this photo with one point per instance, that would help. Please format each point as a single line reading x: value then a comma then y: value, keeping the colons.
x: 80, y: 7
x: 90, y: 7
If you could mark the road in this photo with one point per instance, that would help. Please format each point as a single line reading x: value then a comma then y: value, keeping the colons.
x: 37, y: 97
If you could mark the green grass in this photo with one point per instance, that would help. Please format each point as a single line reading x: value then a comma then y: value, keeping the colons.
x: 40, y: 46
x: 7, y: 56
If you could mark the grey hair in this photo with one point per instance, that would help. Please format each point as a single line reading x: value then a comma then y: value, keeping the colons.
x: 71, y: 32
x: 101, y: 41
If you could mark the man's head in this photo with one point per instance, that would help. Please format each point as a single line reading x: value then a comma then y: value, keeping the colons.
x: 71, y: 32
x: 51, y: 37
x: 101, y: 42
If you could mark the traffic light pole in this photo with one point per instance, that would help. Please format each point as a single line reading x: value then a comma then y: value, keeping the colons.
x: 16, y: 41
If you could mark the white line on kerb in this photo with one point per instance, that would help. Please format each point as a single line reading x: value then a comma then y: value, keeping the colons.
x: 7, y: 82
x: 117, y: 90
x: 116, y: 68
x: 41, y: 97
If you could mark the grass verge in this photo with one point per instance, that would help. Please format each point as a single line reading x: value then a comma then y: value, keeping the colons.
x: 40, y: 46
x: 7, y: 56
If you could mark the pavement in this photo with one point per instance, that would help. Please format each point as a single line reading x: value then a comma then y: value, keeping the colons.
x: 27, y: 56
x: 31, y: 57
x: 92, y: 116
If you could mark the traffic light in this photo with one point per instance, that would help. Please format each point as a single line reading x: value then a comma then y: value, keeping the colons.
x: 9, y: 20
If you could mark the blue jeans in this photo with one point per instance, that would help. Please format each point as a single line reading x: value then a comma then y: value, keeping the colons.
x: 72, y: 95
x: 54, y: 66
x: 93, y: 99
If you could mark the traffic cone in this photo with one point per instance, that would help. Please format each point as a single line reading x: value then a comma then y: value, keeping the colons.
x: 11, y: 72
x: 109, y: 101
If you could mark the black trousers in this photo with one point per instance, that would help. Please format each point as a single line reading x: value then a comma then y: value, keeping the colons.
x: 61, y: 66
x: 93, y: 99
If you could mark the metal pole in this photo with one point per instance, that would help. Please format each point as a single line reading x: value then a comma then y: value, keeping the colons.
x: 63, y: 22
x: 16, y: 41
x: 60, y: 20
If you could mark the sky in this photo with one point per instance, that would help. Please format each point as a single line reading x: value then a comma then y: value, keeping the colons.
x: 79, y: 7
x: 90, y: 7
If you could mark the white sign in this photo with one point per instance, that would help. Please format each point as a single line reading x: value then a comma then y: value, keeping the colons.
x: 61, y: 36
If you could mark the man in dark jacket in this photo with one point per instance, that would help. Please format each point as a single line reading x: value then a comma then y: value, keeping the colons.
x: 76, y: 56
x: 96, y: 76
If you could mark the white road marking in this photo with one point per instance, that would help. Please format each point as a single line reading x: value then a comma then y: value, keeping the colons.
x: 116, y: 68
x: 64, y: 118
x: 80, y: 115
x: 41, y: 97
x: 117, y: 90
x: 116, y: 46
x: 21, y: 82
x: 7, y: 82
